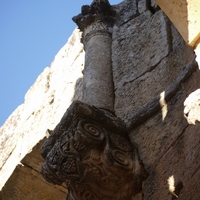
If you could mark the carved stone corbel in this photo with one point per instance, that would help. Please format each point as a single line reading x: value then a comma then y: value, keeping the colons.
x: 91, y: 152
x: 90, y: 149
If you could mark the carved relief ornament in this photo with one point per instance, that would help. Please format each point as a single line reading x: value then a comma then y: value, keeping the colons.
x: 97, y: 18
x: 90, y: 151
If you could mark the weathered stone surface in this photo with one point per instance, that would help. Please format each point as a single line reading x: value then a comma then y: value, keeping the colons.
x: 97, y: 83
x: 91, y: 152
x: 96, y: 22
x: 44, y: 104
x: 149, y: 56
x: 142, y: 6
x: 140, y: 48
x: 32, y: 160
x: 185, y: 16
x: 192, y: 107
x: 26, y: 183
x: 160, y: 102
x: 170, y: 147
x: 126, y: 10
x: 181, y: 161
x: 7, y: 138
x: 138, y: 71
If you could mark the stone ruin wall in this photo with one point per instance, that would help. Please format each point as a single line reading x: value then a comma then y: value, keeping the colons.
x: 26, y: 129
x: 153, y: 73
x: 149, y: 59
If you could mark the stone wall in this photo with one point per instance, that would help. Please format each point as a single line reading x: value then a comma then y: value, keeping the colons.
x: 154, y: 71
x: 26, y: 129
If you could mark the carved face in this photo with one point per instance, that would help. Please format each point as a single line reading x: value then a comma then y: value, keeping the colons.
x: 93, y: 155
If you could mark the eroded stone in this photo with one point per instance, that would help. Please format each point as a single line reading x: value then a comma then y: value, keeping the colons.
x: 90, y: 151
x: 192, y: 107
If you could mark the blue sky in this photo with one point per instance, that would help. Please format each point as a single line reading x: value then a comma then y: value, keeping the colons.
x: 31, y: 34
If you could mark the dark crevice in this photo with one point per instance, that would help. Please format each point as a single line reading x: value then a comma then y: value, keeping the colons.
x: 194, y: 173
x: 29, y: 167
x: 169, y: 34
x: 125, y: 22
x: 151, y: 8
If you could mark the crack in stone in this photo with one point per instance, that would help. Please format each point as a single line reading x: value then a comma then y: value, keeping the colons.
x: 147, y: 71
x: 153, y: 106
x: 173, y: 143
x: 60, y: 187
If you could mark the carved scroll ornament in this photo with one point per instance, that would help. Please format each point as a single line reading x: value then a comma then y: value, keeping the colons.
x: 90, y: 151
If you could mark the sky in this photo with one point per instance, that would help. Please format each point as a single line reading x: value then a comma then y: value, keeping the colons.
x: 31, y: 34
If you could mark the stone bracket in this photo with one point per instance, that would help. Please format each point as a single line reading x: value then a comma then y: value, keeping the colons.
x: 91, y: 152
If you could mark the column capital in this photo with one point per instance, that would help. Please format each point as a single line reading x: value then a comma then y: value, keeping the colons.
x: 100, y: 14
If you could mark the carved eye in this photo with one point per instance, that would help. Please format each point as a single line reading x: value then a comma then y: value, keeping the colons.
x: 91, y: 133
x: 88, y: 195
x: 120, y: 159
x: 92, y: 129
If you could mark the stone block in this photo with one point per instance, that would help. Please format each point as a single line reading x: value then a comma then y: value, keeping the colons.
x: 180, y: 162
x: 8, y: 136
x: 185, y: 16
x: 170, y: 147
x: 126, y: 11
x: 25, y: 183
x: 136, y: 50
x: 142, y: 6
x: 140, y: 75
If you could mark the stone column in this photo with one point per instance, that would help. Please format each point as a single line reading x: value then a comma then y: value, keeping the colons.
x: 90, y: 149
x: 96, y: 22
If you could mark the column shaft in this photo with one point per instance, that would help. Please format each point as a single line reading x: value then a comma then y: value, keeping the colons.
x: 98, y: 80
